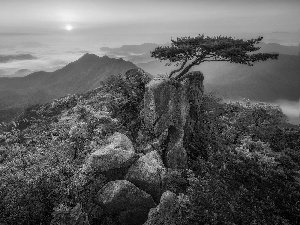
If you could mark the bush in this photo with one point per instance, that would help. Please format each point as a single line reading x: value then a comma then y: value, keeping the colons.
x: 243, y: 186
x: 241, y: 179
x: 128, y: 99
x: 40, y: 159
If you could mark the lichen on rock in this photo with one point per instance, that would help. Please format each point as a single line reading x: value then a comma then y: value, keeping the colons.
x: 165, y: 109
x: 166, y: 212
x: 118, y: 153
x: 146, y: 173
x: 168, y: 105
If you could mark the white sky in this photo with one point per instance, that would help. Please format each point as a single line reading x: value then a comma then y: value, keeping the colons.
x: 151, y: 16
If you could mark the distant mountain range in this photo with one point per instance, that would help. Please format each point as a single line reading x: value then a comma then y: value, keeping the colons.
x: 84, y: 74
x: 132, y: 53
x: 269, y: 81
x: 273, y: 81
x: 141, y: 53
x: 280, y: 49
x: 131, y: 49
x: 265, y: 81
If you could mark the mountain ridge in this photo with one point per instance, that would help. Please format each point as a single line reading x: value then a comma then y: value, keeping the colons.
x: 79, y: 76
x: 137, y: 49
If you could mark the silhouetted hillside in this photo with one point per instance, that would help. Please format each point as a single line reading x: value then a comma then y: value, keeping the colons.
x: 76, y: 161
x: 84, y: 74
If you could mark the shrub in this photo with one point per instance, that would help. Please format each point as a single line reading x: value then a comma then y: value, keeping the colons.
x: 128, y: 99
x: 241, y: 179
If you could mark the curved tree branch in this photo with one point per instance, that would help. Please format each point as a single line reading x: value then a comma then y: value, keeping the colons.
x: 216, y: 60
x: 177, y: 70
x: 197, y: 61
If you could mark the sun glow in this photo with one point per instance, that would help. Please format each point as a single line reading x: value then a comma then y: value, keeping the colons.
x: 68, y: 27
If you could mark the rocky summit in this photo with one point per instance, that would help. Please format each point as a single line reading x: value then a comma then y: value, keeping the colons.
x: 137, y: 151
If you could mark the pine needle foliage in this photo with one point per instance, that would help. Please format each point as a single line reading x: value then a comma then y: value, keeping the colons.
x: 187, y: 52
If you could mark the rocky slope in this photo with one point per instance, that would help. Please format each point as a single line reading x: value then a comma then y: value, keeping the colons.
x: 79, y: 160
x: 127, y: 179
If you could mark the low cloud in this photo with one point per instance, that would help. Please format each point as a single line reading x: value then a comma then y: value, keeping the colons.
x: 9, y: 58
x: 291, y: 109
x: 44, y: 59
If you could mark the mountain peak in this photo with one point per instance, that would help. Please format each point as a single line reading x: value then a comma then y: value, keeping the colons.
x: 89, y: 56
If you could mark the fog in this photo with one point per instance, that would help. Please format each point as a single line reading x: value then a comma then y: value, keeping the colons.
x: 291, y: 109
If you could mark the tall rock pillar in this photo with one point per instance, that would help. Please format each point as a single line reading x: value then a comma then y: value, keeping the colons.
x: 167, y: 107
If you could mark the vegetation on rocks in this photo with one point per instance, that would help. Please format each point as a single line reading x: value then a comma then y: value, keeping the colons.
x: 243, y: 163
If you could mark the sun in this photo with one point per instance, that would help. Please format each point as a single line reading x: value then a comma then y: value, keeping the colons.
x: 68, y: 27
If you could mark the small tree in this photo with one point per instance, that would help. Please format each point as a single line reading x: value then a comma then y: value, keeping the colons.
x: 187, y: 52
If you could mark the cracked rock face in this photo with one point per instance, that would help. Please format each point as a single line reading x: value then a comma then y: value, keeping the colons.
x: 166, y: 107
x: 146, y: 173
x: 119, y: 153
x: 165, y: 212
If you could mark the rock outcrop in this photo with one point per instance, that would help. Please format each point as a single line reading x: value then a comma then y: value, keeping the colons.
x: 123, y: 198
x: 126, y: 200
x: 194, y: 87
x: 146, y: 173
x: 165, y: 212
x: 170, y: 107
x: 118, y: 153
x: 166, y: 108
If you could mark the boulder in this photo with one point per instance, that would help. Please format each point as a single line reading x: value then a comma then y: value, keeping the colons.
x: 166, y: 108
x: 165, y: 212
x: 121, y: 195
x: 118, y: 153
x: 146, y: 173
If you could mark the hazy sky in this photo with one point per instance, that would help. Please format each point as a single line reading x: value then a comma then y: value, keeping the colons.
x: 57, y: 32
x: 149, y: 16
